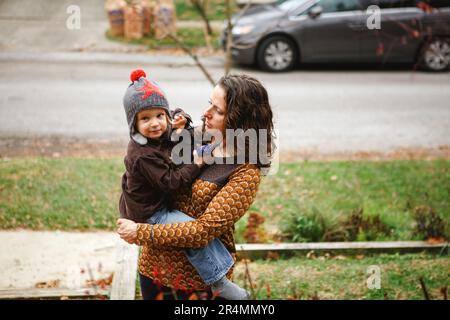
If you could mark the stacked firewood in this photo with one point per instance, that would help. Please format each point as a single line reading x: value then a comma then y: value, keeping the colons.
x: 134, y: 19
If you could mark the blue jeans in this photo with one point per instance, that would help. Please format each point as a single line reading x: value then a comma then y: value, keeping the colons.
x: 211, y: 262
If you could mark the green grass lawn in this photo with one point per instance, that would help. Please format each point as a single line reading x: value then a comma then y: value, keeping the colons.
x: 216, y: 10
x: 331, y: 191
x: 302, y: 278
x: 59, y: 194
x: 344, y: 277
x: 82, y: 194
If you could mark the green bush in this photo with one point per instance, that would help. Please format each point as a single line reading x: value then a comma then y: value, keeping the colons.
x: 315, y: 227
x: 310, y: 227
x: 428, y: 224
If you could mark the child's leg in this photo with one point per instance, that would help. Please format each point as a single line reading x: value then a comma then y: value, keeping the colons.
x: 211, y: 262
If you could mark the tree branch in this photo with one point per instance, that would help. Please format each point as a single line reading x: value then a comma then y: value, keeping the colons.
x: 193, y: 56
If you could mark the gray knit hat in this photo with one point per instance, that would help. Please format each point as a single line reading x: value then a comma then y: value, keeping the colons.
x: 142, y: 94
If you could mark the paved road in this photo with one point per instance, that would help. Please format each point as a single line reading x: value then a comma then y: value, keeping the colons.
x: 78, y: 94
x: 326, y: 111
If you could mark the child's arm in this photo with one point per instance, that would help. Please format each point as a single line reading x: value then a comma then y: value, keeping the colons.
x: 227, y: 207
x: 164, y: 175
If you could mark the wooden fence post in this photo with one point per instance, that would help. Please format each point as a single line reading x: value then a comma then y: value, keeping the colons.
x: 124, y: 281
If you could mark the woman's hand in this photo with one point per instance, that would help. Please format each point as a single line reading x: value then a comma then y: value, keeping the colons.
x: 127, y: 230
x: 198, y: 160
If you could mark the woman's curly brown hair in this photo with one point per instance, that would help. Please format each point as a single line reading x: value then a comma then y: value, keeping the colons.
x: 248, y: 107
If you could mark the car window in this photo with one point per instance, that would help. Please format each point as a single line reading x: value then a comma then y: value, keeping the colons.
x: 339, y: 5
x: 290, y: 5
x: 386, y: 4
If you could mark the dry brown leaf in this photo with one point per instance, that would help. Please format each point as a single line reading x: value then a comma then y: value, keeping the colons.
x: 48, y: 284
x: 435, y: 240
x: 311, y: 255
x: 102, y: 283
x: 193, y: 296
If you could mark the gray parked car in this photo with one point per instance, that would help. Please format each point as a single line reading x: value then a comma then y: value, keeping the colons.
x: 278, y: 36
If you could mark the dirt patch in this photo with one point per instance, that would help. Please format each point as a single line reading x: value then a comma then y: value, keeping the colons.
x: 58, y: 147
x: 441, y: 152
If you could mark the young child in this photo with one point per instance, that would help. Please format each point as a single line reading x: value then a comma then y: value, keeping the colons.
x: 151, y: 178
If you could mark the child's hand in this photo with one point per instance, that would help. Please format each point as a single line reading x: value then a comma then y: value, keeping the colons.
x: 179, y: 122
x: 204, y: 152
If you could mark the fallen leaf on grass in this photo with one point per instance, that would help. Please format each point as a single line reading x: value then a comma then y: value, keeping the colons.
x: 435, y: 240
x: 272, y: 255
x: 311, y: 255
x: 268, y: 291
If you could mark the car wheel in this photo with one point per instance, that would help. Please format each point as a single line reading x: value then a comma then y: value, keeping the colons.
x: 436, y: 55
x: 277, y: 54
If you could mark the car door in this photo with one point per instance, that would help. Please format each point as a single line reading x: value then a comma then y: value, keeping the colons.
x: 334, y: 35
x: 400, y: 34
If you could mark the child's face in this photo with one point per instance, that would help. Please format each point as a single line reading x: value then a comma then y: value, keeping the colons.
x: 152, y: 123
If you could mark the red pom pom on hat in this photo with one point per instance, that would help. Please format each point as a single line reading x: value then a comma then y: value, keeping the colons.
x: 136, y: 74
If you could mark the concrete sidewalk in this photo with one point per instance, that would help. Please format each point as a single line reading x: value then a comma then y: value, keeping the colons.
x: 39, y: 26
x: 62, y: 259
x: 153, y: 59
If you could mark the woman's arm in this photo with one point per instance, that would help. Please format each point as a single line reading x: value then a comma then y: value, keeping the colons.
x: 227, y: 207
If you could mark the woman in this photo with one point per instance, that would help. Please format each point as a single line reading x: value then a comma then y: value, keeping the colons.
x: 219, y: 197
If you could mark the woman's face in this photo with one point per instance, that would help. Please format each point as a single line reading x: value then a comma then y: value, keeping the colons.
x: 216, y: 111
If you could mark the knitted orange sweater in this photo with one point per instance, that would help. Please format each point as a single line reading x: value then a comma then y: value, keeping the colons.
x: 218, y: 198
